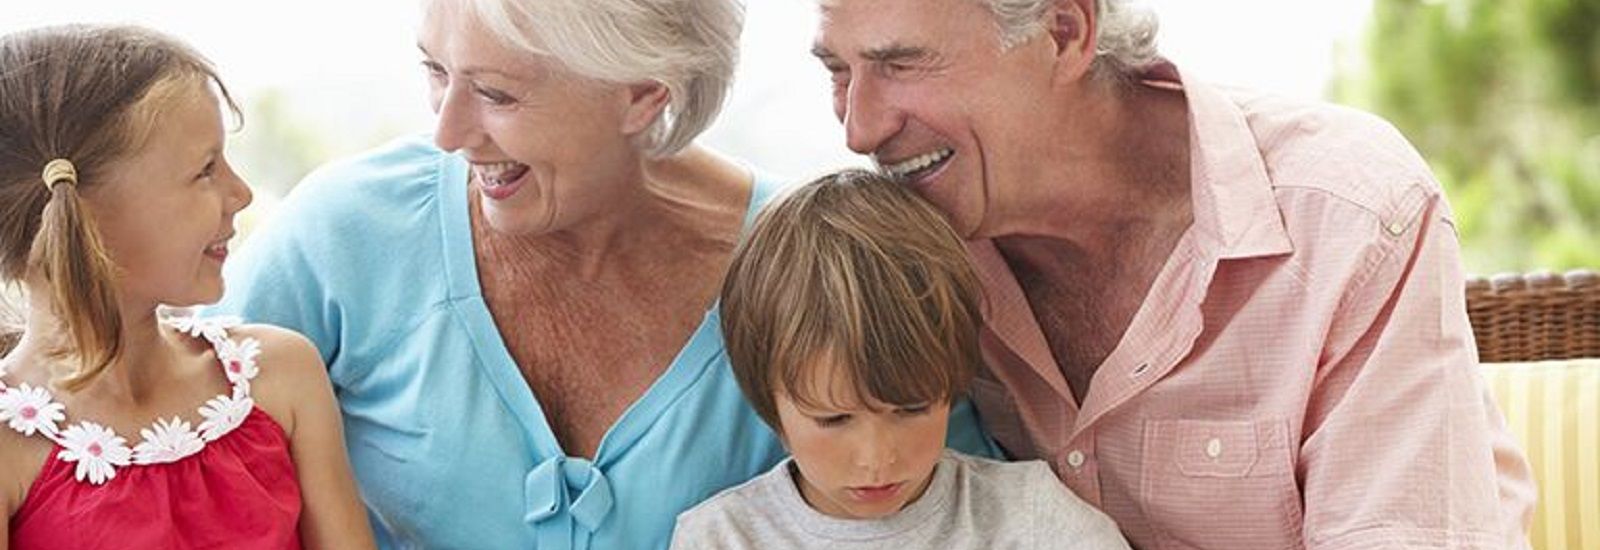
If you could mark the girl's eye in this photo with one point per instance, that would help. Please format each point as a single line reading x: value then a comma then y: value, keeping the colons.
x: 208, y: 171
x: 913, y: 411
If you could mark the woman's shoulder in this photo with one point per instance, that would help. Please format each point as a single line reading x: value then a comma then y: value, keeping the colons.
x: 394, y: 178
x: 409, y: 158
x: 354, y: 213
x: 736, y: 185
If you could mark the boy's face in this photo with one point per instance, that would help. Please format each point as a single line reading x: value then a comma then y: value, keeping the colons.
x: 860, y: 460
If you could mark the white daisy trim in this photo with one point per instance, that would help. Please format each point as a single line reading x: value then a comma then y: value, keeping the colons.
x: 167, y: 441
x: 99, y: 452
x: 31, y: 410
x: 213, y: 329
x: 222, y: 414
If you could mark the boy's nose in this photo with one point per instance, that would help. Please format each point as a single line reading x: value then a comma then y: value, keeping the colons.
x: 877, y: 456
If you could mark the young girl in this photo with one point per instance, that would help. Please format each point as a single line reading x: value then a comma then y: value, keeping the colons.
x: 851, y: 318
x: 121, y: 429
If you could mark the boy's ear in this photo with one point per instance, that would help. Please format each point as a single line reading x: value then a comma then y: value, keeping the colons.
x: 646, y: 101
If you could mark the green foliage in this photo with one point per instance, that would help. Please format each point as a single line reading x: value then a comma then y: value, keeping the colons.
x: 1503, y: 98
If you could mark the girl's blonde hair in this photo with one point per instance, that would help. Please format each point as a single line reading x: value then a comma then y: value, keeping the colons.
x: 88, y: 94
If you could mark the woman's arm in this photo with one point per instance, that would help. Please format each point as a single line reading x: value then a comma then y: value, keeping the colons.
x: 332, y: 516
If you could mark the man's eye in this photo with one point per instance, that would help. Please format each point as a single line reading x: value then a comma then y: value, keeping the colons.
x: 896, y: 69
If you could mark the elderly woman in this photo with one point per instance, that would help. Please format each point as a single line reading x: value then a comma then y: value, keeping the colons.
x: 517, y: 314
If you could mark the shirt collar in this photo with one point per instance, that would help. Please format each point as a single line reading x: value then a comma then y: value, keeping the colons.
x: 1236, y: 214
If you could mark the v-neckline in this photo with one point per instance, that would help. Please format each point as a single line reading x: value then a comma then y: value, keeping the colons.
x: 494, y: 357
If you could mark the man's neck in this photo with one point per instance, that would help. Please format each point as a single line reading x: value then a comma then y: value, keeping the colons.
x: 1089, y: 242
x: 1119, y: 157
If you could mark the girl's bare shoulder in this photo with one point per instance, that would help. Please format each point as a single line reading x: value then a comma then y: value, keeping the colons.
x: 289, y: 366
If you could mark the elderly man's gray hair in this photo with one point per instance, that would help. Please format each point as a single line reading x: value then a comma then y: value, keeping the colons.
x: 690, y: 46
x: 1125, y: 38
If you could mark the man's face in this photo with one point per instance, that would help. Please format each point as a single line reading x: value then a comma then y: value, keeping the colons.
x: 925, y: 87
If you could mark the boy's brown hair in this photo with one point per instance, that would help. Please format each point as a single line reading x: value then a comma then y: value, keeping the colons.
x: 89, y: 94
x: 853, y: 268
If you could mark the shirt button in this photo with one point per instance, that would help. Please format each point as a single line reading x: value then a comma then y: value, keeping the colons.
x: 1075, y: 459
x: 1396, y: 229
x: 1214, y: 448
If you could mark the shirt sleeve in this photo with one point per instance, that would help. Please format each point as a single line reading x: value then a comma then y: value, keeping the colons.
x: 1404, y: 446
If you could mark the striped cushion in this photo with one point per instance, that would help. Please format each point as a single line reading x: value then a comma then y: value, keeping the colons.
x: 1553, y: 407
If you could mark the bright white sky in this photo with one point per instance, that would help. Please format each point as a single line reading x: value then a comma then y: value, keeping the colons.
x: 348, y: 65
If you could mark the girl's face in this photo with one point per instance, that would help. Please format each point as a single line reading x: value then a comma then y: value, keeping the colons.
x: 860, y: 459
x: 165, y: 212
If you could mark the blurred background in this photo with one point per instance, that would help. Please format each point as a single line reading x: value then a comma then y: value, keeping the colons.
x: 1502, y: 97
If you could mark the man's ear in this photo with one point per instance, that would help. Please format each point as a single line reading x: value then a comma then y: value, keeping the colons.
x: 1072, y: 29
x: 646, y: 101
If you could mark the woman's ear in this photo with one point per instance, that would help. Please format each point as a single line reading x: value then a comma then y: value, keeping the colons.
x: 1072, y: 28
x: 646, y: 101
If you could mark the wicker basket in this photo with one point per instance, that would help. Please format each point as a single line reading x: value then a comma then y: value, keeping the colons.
x: 1536, y: 316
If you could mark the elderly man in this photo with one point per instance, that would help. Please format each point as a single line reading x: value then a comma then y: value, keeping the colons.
x: 1227, y: 319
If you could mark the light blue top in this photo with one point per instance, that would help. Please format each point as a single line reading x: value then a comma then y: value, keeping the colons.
x: 372, y: 259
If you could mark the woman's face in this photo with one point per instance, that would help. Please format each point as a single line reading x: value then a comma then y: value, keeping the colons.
x: 165, y: 212
x: 548, y: 149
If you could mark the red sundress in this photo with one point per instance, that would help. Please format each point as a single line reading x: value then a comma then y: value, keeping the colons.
x: 230, y: 483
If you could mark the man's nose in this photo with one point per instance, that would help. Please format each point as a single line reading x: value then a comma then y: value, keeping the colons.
x: 870, y: 119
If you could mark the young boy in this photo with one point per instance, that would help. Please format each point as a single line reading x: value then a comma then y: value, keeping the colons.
x: 851, y: 317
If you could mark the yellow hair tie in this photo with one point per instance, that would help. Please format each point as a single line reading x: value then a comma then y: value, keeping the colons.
x: 57, y: 171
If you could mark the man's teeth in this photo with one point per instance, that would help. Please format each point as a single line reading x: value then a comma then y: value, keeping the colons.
x: 905, y: 167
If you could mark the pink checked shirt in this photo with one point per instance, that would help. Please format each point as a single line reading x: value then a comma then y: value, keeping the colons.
x: 1301, y: 374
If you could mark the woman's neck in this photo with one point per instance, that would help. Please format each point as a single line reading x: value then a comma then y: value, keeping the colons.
x: 692, y: 195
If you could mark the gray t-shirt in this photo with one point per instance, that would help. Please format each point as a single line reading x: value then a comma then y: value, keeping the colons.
x: 971, y: 503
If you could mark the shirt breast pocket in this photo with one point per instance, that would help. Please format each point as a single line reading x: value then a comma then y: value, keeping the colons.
x: 1221, y: 484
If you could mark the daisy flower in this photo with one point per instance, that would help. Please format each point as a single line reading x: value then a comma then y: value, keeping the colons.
x: 239, y: 360
x: 29, y: 410
x: 223, y: 414
x: 213, y: 329
x: 97, y: 450
x: 170, y: 441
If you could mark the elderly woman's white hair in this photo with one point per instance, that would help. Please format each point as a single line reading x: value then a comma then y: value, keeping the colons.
x: 690, y: 46
x: 1125, y: 38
